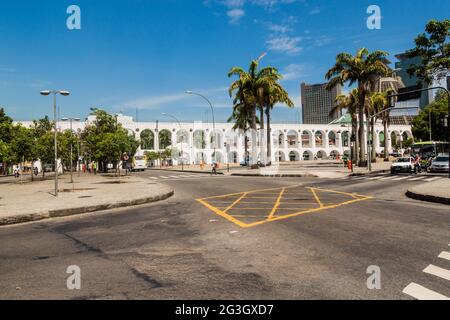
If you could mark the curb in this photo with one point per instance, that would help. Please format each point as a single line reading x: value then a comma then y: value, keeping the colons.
x: 186, y: 171
x: 306, y: 175
x: 427, y: 197
x: 361, y: 174
x: 82, y: 210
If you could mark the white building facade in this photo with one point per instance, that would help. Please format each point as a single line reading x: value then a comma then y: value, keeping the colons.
x: 289, y: 142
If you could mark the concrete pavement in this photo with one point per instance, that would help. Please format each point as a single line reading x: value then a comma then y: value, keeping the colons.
x: 31, y: 201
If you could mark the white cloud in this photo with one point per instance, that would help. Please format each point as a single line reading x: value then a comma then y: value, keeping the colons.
x: 314, y: 11
x: 235, y: 15
x: 293, y: 72
x: 285, y: 44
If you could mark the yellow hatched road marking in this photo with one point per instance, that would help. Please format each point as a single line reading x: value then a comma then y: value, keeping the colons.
x: 276, y: 207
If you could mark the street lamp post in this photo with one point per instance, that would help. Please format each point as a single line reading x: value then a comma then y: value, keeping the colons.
x: 429, y: 89
x: 179, y: 124
x: 71, y: 146
x: 214, y: 121
x: 54, y: 93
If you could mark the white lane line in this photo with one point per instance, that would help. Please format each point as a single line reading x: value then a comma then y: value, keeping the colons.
x: 400, y: 178
x: 438, y: 272
x: 444, y: 255
x: 175, y: 177
x: 375, y: 178
x: 185, y: 176
x: 154, y: 178
x: 388, y: 178
x: 164, y: 177
x: 421, y: 293
x: 417, y: 179
x: 433, y: 179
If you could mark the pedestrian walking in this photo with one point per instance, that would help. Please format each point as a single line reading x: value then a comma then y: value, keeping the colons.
x: 214, y: 168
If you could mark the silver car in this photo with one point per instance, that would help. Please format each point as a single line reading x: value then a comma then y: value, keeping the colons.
x: 440, y: 164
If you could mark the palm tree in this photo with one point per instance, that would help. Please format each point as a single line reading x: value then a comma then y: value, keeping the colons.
x: 359, y: 69
x: 377, y: 103
x: 247, y: 89
x: 242, y: 122
x: 274, y: 94
x: 350, y: 103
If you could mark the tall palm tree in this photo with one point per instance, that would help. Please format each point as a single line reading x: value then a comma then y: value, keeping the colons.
x: 377, y: 103
x: 242, y: 122
x: 247, y: 88
x: 274, y: 94
x: 350, y: 103
x: 359, y: 69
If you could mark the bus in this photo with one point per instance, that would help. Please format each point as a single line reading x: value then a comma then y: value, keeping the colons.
x: 139, y: 163
x: 430, y: 149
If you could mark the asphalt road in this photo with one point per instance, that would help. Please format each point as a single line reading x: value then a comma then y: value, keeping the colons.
x: 325, y: 236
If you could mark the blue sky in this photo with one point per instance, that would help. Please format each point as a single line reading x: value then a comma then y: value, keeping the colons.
x: 143, y: 54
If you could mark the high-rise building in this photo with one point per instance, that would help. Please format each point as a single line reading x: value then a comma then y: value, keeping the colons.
x: 318, y: 102
x: 401, y: 69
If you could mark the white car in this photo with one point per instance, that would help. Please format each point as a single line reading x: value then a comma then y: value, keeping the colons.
x: 405, y: 164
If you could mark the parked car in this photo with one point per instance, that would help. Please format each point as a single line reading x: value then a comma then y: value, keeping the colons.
x: 405, y: 164
x: 439, y: 164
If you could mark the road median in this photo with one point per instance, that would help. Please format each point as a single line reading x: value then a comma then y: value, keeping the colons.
x: 436, y: 191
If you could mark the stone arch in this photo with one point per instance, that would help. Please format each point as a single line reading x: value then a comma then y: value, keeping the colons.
x: 217, y: 157
x: 216, y: 139
x: 308, y: 155
x: 278, y: 139
x: 395, y: 139
x: 321, y: 155
x: 335, y: 155
x: 280, y: 156
x: 292, y: 139
x: 319, y: 137
x: 345, y: 138
x: 381, y: 137
x: 165, y: 139
x: 233, y: 157
x: 307, y: 139
x: 182, y: 136
x: 200, y: 156
x: 332, y: 139
x: 199, y: 139
x: 294, y: 156
x: 147, y: 140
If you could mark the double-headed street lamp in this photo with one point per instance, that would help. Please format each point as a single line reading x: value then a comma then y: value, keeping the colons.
x: 71, y: 120
x: 214, y: 121
x: 63, y: 93
x: 179, y: 124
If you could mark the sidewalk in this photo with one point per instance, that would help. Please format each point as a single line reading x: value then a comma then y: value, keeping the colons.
x: 436, y: 191
x: 35, y: 201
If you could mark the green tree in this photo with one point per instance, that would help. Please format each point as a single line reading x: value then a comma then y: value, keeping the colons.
x: 433, y: 47
x: 248, y: 90
x: 105, y: 140
x: 350, y: 103
x: 360, y: 69
x: 438, y: 110
x: 165, y: 139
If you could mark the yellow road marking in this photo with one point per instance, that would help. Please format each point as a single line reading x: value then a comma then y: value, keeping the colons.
x: 236, y: 202
x: 316, y: 197
x: 277, y: 204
